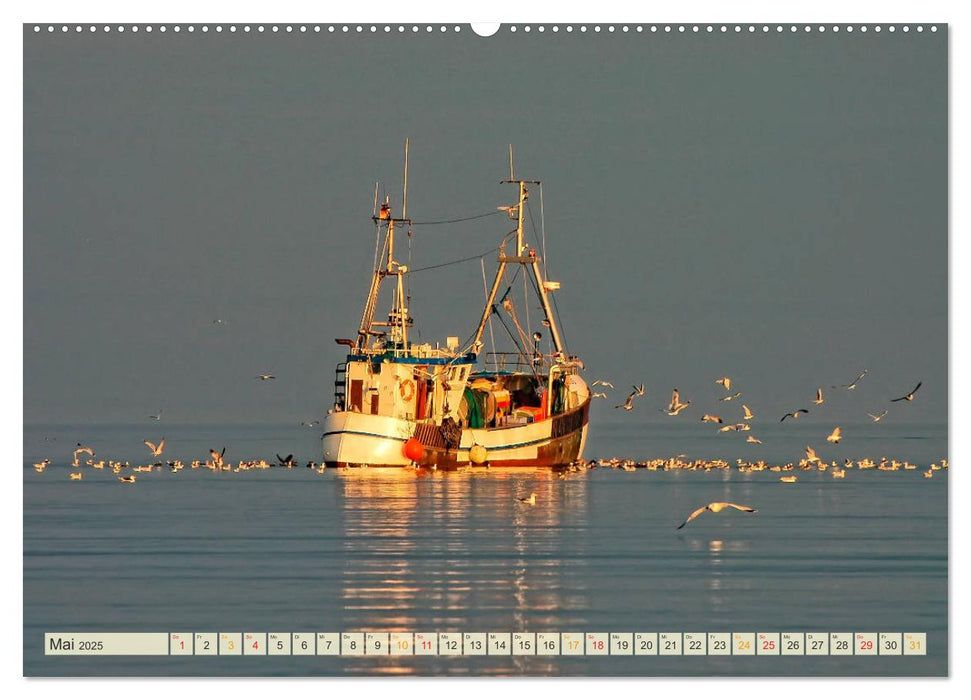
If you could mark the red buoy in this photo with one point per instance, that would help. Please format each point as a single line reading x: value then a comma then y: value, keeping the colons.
x: 414, y: 450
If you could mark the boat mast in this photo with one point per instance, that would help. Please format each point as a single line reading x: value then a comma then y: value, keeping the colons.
x: 531, y: 260
x: 398, y: 320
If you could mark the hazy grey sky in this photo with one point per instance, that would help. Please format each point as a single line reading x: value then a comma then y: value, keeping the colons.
x: 771, y: 207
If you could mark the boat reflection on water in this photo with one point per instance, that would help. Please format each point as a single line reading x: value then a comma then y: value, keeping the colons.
x: 456, y: 551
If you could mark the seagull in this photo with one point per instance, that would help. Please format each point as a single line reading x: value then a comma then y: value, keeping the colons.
x: 731, y: 396
x: 794, y: 414
x: 77, y: 476
x: 288, y: 462
x: 676, y: 406
x: 310, y: 424
x: 531, y: 500
x: 264, y: 377
x: 787, y: 479
x: 156, y: 449
x: 41, y: 466
x: 811, y: 454
x: 710, y: 418
x: 819, y: 397
x: 725, y: 382
x: 629, y: 404
x: 81, y: 449
x: 716, y: 507
x: 639, y: 389
x: 727, y: 428
x: 601, y: 382
x: 127, y: 479
x: 218, y: 322
x: 853, y: 384
x: 598, y: 395
x: 835, y: 436
x: 910, y: 396
x: 748, y: 413
x: 752, y: 438
x: 217, y: 457
x: 876, y: 419
x: 157, y: 417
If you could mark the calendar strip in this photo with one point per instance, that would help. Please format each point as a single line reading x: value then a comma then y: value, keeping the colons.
x: 486, y: 644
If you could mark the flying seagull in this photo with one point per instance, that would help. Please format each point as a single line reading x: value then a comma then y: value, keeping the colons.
x: 310, y: 424
x: 910, y: 396
x: 716, y: 508
x: 158, y: 416
x: 876, y: 419
x: 752, y: 438
x: 217, y: 457
x: 852, y: 385
x: 639, y: 389
x: 156, y: 449
x: 676, y: 405
x: 601, y: 382
x: 264, y: 377
x: 629, y: 404
x: 710, y: 418
x: 285, y: 462
x: 811, y: 454
x: 731, y: 396
x: 80, y: 450
x: 725, y: 382
x: 819, y: 397
x: 835, y: 436
x: 598, y: 395
x: 748, y: 413
x: 794, y: 414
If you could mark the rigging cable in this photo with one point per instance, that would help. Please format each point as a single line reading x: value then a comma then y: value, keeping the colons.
x: 455, y: 221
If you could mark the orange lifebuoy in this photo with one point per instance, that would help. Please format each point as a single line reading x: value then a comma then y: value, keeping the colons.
x: 407, y: 390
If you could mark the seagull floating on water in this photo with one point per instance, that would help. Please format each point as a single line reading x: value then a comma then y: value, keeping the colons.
x: 716, y: 507
x: 531, y: 500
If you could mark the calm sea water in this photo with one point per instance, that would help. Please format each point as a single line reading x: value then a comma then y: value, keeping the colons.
x: 293, y: 550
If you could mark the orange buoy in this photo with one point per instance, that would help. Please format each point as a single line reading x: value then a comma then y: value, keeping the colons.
x: 414, y: 450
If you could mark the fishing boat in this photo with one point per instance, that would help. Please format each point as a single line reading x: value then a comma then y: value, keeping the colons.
x: 401, y: 403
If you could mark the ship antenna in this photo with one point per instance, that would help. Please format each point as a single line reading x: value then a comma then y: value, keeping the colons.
x: 511, y: 176
x: 374, y: 212
x: 404, y: 198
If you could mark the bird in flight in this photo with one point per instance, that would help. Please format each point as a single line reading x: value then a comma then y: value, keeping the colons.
x: 264, y: 377
x: 876, y: 419
x: 80, y: 450
x: 716, y: 507
x: 752, y: 438
x: 794, y: 414
x: 835, y: 436
x: 217, y: 457
x: 708, y: 418
x: 310, y: 423
x: 811, y: 454
x: 531, y: 500
x: 852, y: 385
x: 156, y: 449
x: 748, y: 413
x: 639, y: 389
x: 285, y: 462
x: 218, y: 322
x: 819, y: 397
x: 910, y: 396
x: 158, y: 416
x: 725, y: 382
x: 676, y: 405
x: 598, y: 395
x: 731, y: 396
x: 629, y: 404
x: 601, y: 382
